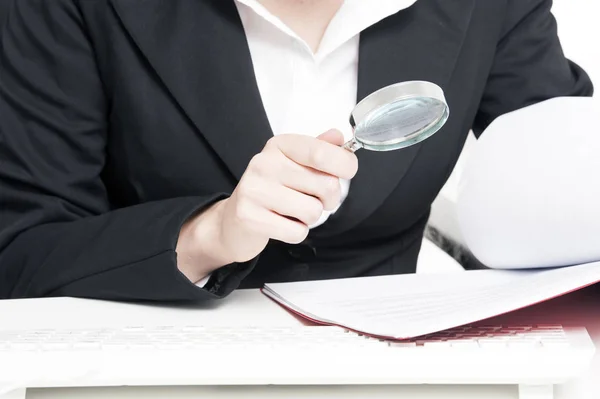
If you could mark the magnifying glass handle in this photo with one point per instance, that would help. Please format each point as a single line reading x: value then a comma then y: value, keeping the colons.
x: 352, y: 145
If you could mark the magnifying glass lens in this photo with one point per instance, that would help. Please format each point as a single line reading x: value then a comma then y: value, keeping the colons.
x: 398, y: 116
x: 401, y: 123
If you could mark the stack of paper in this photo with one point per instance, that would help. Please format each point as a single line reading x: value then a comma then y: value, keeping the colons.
x: 408, y: 306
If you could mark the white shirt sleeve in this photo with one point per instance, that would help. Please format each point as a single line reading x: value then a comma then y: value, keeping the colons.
x: 202, y: 283
x: 529, y: 195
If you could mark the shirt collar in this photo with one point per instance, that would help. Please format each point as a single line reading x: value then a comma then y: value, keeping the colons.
x: 353, y: 17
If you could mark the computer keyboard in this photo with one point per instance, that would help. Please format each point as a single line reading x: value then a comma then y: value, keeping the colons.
x: 168, y: 338
x: 497, y: 337
x: 202, y: 355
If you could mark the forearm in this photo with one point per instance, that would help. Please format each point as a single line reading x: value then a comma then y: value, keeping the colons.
x: 127, y: 254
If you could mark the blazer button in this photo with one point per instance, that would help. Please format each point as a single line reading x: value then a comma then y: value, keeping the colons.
x: 302, y: 252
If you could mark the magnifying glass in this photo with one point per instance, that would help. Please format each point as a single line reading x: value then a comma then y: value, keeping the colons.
x: 398, y: 116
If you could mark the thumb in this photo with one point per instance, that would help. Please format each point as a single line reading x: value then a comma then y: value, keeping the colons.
x: 332, y: 136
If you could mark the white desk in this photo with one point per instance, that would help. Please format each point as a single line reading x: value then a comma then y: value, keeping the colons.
x: 251, y: 307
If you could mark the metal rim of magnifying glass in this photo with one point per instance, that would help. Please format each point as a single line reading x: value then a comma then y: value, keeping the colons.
x: 398, y: 92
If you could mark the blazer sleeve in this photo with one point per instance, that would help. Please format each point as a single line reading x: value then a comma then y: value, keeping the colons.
x: 529, y: 65
x: 58, y: 233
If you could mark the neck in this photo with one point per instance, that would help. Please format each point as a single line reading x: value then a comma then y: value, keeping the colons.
x: 309, y: 19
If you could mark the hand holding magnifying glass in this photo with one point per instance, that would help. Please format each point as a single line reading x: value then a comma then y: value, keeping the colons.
x: 398, y: 116
x: 286, y: 188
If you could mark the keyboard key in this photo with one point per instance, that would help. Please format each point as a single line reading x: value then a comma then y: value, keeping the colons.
x: 437, y: 344
x: 555, y: 343
x: 54, y: 346
x: 134, y: 329
x: 22, y: 346
x: 493, y: 343
x: 402, y: 344
x: 141, y: 346
x: 464, y: 344
x: 519, y: 328
x: 86, y: 344
x: 548, y: 327
x: 189, y: 328
x: 130, y: 337
x: 471, y: 336
x: 489, y: 328
x: 523, y: 343
x: 115, y: 347
x: 170, y: 346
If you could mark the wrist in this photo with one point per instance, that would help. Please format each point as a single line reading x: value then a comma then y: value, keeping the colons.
x: 199, y: 248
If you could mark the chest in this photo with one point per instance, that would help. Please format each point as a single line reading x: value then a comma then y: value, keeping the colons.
x: 187, y: 112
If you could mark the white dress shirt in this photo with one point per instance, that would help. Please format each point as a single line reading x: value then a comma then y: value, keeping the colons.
x: 305, y: 92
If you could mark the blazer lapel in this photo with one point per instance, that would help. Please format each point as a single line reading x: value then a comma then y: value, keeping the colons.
x: 419, y: 43
x: 199, y: 51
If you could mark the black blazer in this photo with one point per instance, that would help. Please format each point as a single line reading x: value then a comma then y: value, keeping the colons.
x: 121, y: 118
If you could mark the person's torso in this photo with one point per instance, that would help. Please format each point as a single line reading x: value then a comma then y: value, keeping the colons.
x: 186, y: 116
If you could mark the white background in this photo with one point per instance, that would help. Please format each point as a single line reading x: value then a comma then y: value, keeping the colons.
x: 579, y: 31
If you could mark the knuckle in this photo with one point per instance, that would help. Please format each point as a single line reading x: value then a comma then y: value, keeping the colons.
x: 331, y: 192
x: 332, y: 188
x: 298, y: 234
x: 261, y: 164
x: 246, y: 188
x: 314, y: 211
x: 256, y: 163
x: 243, y: 212
x: 272, y: 143
x: 318, y: 156
x: 352, y: 165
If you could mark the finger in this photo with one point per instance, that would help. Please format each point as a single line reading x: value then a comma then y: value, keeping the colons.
x: 312, y: 182
x: 277, y: 167
x: 317, y: 154
x: 333, y: 136
x: 287, y: 230
x: 277, y: 227
x: 287, y: 202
